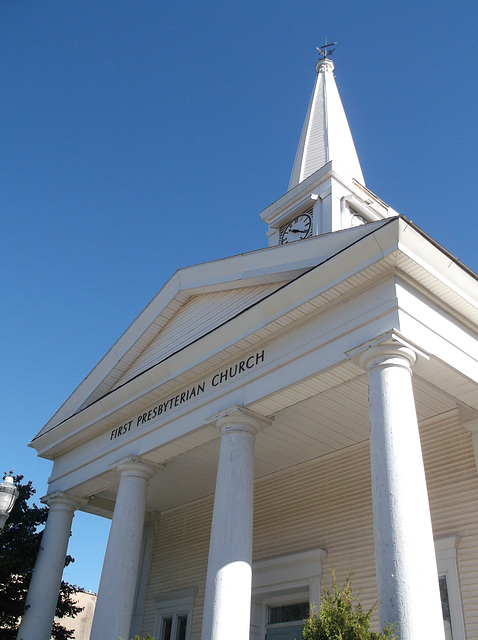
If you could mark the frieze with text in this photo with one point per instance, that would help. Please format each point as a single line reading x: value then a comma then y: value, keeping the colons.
x: 198, y: 389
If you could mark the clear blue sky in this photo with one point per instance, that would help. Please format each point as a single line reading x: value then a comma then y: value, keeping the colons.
x: 138, y: 137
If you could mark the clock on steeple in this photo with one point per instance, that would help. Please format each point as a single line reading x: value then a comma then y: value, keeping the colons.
x: 297, y: 229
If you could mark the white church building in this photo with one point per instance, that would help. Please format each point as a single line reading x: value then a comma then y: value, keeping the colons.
x: 271, y: 416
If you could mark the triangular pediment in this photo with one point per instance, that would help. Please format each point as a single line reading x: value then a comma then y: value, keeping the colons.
x: 194, y: 303
x: 199, y: 315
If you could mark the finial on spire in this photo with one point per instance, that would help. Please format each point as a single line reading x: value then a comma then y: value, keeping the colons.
x: 323, y: 50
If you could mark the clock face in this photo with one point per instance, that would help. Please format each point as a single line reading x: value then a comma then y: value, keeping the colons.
x: 298, y: 229
x: 357, y: 220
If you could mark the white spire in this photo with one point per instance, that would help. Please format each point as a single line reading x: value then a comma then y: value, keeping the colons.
x: 326, y: 134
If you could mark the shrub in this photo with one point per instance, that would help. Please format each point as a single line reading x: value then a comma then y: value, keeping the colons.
x: 341, y: 617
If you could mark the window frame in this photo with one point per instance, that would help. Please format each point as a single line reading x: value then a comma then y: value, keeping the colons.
x: 174, y: 604
x: 284, y: 580
x: 279, y: 600
x: 445, y: 551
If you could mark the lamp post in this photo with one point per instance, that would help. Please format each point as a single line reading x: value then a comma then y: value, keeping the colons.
x: 8, y: 496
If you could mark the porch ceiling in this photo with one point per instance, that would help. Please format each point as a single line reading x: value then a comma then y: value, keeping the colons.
x: 309, y: 428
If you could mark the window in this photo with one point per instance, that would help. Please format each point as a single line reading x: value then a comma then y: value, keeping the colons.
x: 173, y: 627
x: 173, y: 615
x: 445, y: 606
x: 445, y: 549
x: 282, y: 589
x: 285, y: 621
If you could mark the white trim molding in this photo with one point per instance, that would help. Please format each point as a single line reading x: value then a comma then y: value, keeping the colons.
x: 174, y: 604
x: 143, y: 575
x: 284, y: 579
x: 445, y: 549
x: 302, y: 569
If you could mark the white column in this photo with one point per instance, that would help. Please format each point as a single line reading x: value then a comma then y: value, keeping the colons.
x: 227, y: 602
x: 37, y: 620
x: 407, y: 579
x: 114, y: 606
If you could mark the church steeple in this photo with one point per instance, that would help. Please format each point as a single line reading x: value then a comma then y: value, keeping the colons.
x: 327, y: 192
x: 326, y: 134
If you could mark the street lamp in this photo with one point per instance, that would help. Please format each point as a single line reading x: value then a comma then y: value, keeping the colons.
x: 8, y: 495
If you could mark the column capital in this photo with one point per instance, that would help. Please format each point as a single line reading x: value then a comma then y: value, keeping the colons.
x: 239, y: 419
x: 57, y: 500
x: 133, y: 466
x: 389, y: 349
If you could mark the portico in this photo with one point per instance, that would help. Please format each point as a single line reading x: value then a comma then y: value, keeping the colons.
x: 309, y: 389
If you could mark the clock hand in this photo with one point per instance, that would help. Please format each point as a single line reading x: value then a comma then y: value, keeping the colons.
x: 297, y: 230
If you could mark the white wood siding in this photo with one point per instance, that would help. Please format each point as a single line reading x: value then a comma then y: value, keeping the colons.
x: 197, y: 317
x: 326, y: 504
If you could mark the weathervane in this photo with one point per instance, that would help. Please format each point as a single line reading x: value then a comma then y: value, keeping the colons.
x: 323, y: 50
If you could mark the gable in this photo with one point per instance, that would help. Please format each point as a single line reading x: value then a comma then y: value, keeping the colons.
x: 200, y: 315
x: 196, y: 301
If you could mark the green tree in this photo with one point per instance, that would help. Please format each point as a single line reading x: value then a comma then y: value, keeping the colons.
x: 341, y: 617
x: 19, y: 544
